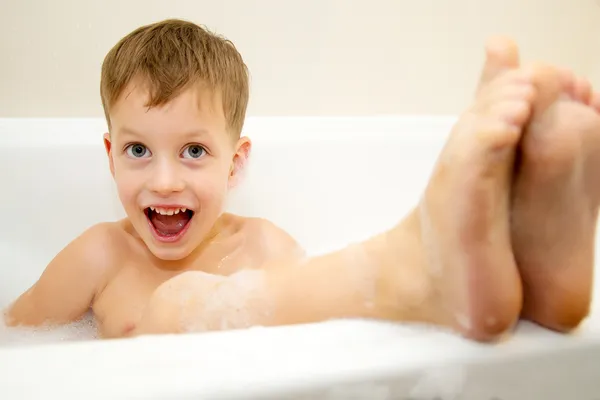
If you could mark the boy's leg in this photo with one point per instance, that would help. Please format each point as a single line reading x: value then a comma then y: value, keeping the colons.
x: 555, y: 200
x: 449, y: 262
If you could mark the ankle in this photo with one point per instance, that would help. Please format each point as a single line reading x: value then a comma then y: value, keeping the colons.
x: 405, y: 290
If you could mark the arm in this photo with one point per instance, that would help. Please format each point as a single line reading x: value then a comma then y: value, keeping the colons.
x: 65, y: 290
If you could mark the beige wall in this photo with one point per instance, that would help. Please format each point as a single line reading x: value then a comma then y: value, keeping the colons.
x: 309, y: 57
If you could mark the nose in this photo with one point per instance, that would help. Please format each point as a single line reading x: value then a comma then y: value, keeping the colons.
x: 165, y: 179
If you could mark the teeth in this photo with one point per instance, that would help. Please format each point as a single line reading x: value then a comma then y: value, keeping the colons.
x: 168, y: 211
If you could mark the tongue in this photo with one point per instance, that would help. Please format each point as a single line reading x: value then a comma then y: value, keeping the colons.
x: 169, y: 224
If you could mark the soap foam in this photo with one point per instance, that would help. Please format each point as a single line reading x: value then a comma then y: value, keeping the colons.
x: 25, y: 264
x: 83, y: 329
x: 234, y: 302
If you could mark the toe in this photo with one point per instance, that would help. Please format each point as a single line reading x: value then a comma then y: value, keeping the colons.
x: 569, y: 83
x: 551, y: 83
x: 501, y: 54
x: 582, y: 90
x: 595, y: 101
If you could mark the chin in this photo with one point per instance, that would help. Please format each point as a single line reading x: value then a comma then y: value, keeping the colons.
x: 170, y: 254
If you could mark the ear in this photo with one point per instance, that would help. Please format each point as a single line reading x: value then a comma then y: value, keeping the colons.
x: 242, y: 153
x: 108, y: 147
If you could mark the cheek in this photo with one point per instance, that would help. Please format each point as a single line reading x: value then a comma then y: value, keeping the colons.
x: 126, y: 185
x: 211, y: 188
x: 127, y: 196
x: 126, y: 191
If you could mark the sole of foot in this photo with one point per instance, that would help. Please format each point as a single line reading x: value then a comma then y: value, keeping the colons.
x: 555, y: 207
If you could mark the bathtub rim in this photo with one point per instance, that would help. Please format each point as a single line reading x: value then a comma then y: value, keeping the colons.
x: 171, y: 372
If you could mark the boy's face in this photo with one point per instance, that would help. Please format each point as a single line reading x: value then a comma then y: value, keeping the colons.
x: 173, y: 166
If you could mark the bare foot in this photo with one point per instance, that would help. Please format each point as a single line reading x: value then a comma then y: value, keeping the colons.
x: 555, y: 208
x: 465, y: 210
x: 555, y: 198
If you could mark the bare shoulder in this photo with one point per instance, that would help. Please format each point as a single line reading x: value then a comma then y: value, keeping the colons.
x: 273, y: 242
x: 265, y: 230
x: 98, y: 245
x: 88, y: 256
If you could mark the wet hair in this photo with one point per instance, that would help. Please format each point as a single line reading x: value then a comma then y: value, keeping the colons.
x: 171, y: 56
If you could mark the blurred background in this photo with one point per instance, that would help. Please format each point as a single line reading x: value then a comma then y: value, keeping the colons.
x: 309, y: 57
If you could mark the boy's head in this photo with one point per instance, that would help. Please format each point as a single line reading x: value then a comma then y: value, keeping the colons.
x: 175, y: 98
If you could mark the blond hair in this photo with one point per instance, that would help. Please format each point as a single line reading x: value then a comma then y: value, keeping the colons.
x: 172, y: 55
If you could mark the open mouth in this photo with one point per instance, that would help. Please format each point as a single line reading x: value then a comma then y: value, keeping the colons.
x: 168, y: 224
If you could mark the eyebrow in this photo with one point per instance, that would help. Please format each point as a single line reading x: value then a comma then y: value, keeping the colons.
x: 126, y: 131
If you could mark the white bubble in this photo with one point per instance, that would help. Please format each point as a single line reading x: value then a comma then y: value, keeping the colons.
x: 233, y: 302
x: 83, y: 329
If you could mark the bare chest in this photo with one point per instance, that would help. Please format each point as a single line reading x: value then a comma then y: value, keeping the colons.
x: 120, y: 306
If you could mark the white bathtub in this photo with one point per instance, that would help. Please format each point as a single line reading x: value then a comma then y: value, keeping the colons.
x: 326, y: 181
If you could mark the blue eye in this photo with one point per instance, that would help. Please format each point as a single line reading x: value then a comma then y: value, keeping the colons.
x: 193, y: 151
x: 137, y: 150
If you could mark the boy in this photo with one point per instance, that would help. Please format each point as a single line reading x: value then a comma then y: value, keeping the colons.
x: 487, y: 244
